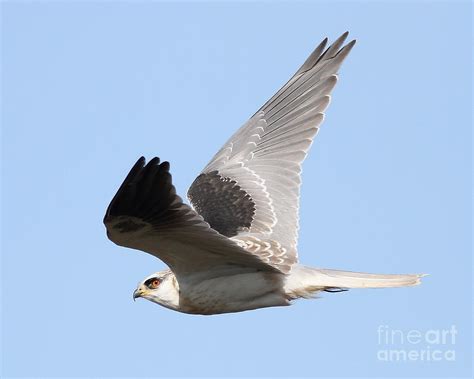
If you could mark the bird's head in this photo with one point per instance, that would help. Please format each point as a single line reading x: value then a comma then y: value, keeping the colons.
x: 161, y: 288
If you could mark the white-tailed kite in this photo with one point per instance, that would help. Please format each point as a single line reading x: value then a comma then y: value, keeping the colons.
x: 235, y: 248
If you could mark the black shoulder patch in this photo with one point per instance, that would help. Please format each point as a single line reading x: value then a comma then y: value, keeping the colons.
x: 222, y: 203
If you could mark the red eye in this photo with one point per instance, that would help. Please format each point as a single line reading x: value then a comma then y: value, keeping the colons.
x: 154, y: 284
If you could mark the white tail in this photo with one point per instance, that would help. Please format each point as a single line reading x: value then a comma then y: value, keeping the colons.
x: 304, y: 281
x: 348, y: 279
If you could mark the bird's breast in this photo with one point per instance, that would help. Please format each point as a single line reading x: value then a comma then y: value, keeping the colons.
x: 235, y: 293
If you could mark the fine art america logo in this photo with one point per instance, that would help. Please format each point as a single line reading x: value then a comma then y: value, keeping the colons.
x: 396, y: 345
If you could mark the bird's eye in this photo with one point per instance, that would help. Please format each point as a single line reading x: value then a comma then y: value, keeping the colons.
x: 153, y: 283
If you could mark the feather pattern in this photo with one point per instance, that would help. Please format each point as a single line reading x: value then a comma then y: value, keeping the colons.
x: 264, y: 156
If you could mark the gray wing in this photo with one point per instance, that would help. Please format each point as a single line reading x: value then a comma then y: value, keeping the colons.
x: 146, y: 214
x: 249, y: 191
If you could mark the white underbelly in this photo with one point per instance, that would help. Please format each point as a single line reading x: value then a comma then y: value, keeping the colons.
x: 234, y: 293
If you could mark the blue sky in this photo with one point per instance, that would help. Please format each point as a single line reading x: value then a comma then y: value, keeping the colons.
x: 88, y: 87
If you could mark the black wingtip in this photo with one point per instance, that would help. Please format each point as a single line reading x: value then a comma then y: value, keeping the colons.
x: 146, y: 187
x: 165, y: 165
x: 135, y: 173
x: 154, y: 161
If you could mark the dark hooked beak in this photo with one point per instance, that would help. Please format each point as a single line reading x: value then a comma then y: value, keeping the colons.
x: 137, y: 293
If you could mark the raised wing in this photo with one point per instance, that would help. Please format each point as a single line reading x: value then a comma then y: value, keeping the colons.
x: 146, y: 214
x: 250, y: 190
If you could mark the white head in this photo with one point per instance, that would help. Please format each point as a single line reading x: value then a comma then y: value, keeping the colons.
x: 161, y: 288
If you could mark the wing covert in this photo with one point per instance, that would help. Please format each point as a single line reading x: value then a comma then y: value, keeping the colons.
x: 262, y: 160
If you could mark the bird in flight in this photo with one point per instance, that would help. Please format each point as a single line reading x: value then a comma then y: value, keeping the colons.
x: 235, y: 247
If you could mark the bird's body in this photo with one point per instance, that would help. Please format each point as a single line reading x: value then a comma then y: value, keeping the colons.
x: 235, y: 248
x: 243, y: 291
x: 234, y: 293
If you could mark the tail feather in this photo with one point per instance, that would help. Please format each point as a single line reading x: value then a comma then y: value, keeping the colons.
x: 306, y: 281
x: 348, y: 279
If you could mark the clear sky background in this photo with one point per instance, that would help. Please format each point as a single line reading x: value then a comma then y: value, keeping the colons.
x: 88, y: 87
